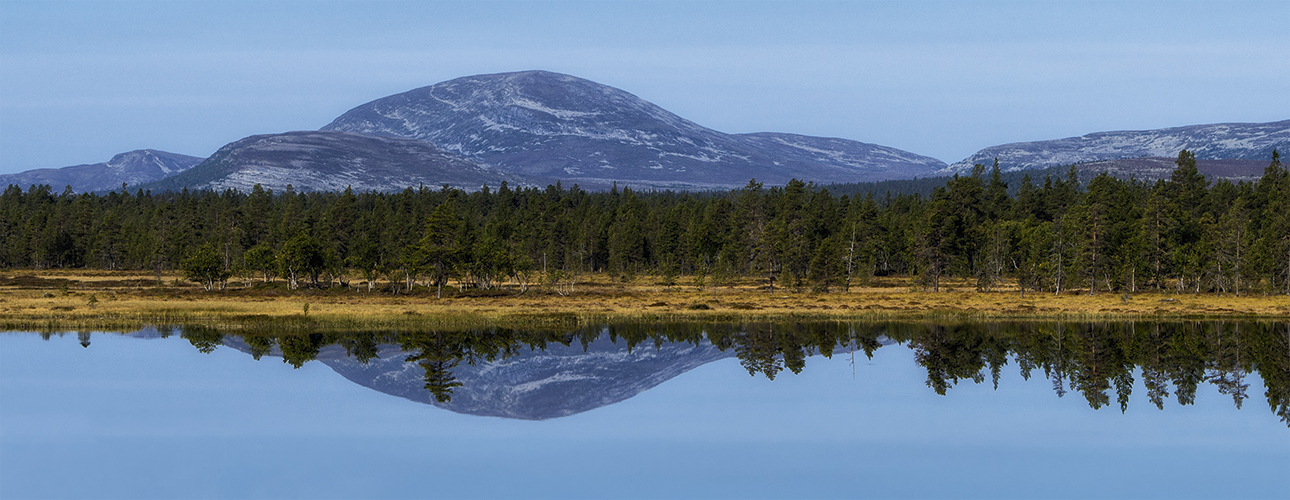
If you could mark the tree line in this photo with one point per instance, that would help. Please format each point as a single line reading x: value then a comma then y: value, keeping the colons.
x: 1051, y: 235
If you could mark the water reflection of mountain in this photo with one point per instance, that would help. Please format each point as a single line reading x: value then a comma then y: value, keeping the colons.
x: 547, y: 374
x: 496, y: 374
x: 535, y: 384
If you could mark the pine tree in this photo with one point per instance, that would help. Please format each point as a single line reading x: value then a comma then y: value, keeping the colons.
x: 440, y: 249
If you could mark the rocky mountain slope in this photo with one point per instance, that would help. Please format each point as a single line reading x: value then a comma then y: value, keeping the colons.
x: 1222, y: 141
x: 558, y: 126
x: 132, y: 168
x: 1154, y: 168
x: 333, y: 161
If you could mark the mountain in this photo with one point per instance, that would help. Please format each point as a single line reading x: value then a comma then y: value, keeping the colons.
x: 133, y: 168
x: 332, y: 161
x: 558, y: 126
x: 847, y: 158
x: 1223, y: 141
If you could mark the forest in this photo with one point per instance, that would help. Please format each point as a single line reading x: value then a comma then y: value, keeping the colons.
x: 1054, y: 235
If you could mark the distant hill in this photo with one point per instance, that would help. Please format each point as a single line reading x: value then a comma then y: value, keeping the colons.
x: 333, y: 161
x: 561, y: 127
x: 1148, y: 169
x: 132, y: 168
x: 1223, y: 141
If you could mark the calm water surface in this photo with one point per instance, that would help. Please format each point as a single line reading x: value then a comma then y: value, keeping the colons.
x: 1174, y: 410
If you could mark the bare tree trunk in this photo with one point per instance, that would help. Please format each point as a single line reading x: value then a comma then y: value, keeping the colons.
x: 1155, y: 257
x: 1092, y: 281
x: 851, y: 255
x: 1237, y: 283
x: 1218, y: 280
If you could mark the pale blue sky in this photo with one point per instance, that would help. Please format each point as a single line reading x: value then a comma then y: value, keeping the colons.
x: 81, y: 81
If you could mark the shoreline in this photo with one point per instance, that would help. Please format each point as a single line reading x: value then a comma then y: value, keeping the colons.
x: 114, y: 300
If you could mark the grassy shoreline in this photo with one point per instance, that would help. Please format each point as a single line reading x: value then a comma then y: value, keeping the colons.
x: 121, y: 300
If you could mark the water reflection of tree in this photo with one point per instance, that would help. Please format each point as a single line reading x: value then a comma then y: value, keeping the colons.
x: 758, y: 352
x: 1095, y: 358
x: 438, y: 356
x: 300, y: 349
x: 1271, y: 355
x: 362, y: 346
x: 439, y: 352
x: 204, y: 338
x: 259, y: 345
x: 1056, y: 368
x: 1151, y: 356
x: 950, y: 354
x: 1095, y: 364
x: 1091, y: 358
x: 767, y: 348
x: 1223, y: 368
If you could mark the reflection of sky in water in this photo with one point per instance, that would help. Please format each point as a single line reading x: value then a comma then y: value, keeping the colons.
x: 130, y: 418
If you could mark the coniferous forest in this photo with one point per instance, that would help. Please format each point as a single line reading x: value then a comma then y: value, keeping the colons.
x: 1054, y: 235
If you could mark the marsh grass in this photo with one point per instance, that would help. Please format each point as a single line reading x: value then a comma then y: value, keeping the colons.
x: 105, y: 300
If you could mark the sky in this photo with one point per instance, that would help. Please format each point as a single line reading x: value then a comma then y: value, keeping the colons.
x: 82, y: 81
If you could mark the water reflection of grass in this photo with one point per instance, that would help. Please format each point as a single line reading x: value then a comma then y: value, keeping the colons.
x: 123, y: 300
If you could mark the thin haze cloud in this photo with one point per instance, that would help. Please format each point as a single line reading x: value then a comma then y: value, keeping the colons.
x: 80, y: 82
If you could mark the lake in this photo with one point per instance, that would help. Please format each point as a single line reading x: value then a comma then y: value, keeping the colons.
x: 756, y: 410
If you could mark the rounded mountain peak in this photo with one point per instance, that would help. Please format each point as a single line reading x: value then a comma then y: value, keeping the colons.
x: 557, y: 126
x: 476, y: 115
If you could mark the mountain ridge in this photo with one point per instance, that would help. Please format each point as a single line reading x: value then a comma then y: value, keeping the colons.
x: 334, y: 161
x: 1215, y: 141
x: 132, y: 168
x: 533, y: 128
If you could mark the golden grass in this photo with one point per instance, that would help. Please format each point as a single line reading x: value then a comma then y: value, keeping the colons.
x: 123, y: 300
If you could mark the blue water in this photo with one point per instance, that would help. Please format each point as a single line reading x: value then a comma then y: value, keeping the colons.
x: 155, y: 418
